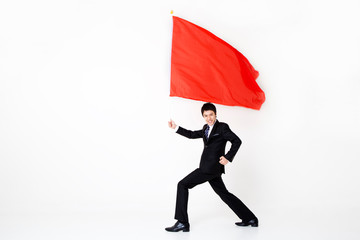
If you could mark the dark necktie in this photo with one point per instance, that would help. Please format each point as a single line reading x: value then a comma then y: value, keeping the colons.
x: 207, y: 132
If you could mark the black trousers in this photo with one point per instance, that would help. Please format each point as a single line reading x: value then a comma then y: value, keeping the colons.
x: 197, y: 177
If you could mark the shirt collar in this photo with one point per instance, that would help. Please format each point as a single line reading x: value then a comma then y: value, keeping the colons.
x: 210, y: 127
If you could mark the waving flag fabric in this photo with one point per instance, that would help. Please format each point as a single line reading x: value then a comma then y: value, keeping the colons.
x: 206, y: 68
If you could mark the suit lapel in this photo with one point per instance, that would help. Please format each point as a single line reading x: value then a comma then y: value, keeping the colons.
x: 203, y: 130
x: 214, y: 129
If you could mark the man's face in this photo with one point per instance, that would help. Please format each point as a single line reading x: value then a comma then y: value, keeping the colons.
x: 209, y: 117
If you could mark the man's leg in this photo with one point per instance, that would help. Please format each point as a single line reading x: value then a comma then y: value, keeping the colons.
x: 194, y: 178
x: 231, y: 200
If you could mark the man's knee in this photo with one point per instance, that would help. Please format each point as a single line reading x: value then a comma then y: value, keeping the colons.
x: 181, y: 184
x: 221, y: 191
x: 184, y: 184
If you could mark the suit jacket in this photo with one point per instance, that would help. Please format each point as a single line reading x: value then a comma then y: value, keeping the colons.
x: 214, y: 147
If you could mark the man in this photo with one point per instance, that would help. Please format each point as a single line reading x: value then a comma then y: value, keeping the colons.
x: 215, y: 135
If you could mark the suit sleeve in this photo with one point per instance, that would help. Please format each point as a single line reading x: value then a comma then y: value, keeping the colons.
x: 235, y: 142
x: 190, y: 134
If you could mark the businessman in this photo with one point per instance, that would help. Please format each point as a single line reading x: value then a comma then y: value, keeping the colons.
x: 215, y: 135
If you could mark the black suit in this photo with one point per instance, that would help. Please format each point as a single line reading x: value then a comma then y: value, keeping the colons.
x: 214, y: 147
x: 210, y: 170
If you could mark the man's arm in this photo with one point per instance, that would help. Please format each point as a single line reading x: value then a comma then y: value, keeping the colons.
x: 184, y: 132
x: 235, y: 142
x: 189, y: 134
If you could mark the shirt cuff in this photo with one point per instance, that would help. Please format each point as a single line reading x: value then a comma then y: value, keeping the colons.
x: 175, y: 129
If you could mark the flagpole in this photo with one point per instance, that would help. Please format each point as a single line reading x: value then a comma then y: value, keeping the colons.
x: 170, y: 110
x: 169, y: 102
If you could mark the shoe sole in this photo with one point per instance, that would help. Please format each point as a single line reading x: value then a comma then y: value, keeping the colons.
x: 184, y: 230
x: 251, y: 225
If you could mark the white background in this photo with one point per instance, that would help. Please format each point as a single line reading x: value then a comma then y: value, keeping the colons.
x: 85, y: 151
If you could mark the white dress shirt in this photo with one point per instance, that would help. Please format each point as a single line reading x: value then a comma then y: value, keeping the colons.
x: 210, y: 128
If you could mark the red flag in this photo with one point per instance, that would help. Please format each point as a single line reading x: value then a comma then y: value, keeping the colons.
x: 206, y: 68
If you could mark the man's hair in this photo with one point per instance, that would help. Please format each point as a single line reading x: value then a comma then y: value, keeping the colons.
x: 208, y: 106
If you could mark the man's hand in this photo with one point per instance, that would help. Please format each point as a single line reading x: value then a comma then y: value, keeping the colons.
x: 171, y: 124
x: 223, y: 160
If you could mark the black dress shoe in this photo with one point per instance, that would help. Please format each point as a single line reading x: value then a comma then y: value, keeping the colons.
x: 253, y: 222
x: 185, y: 227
